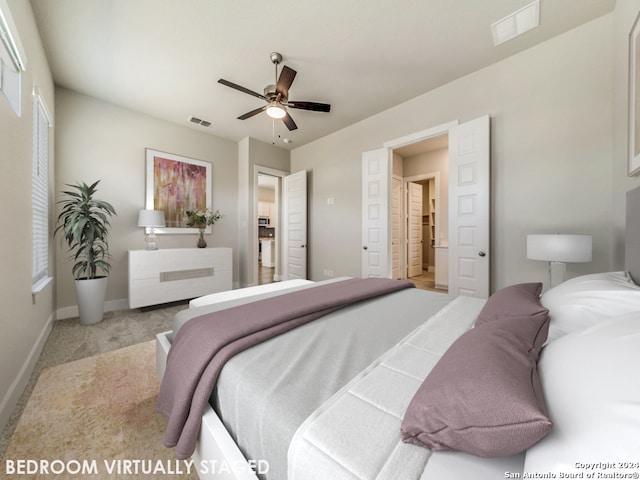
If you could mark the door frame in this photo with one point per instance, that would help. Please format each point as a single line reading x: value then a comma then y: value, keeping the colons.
x: 262, y: 170
x: 386, y: 152
x: 420, y: 136
x: 416, y: 137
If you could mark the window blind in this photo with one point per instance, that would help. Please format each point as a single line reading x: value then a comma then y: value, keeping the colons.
x: 40, y: 191
x: 12, y: 59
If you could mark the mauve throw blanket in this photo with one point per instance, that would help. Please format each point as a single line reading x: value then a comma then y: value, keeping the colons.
x: 203, y: 345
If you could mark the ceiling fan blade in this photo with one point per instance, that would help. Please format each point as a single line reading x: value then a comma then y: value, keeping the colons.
x: 252, y: 113
x: 313, y: 106
x: 285, y: 80
x: 240, y: 88
x: 288, y: 121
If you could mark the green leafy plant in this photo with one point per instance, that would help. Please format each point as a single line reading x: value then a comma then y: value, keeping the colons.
x: 202, y: 218
x: 84, y: 226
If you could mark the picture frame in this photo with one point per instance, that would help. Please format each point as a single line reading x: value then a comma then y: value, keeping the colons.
x: 175, y: 184
x: 634, y: 99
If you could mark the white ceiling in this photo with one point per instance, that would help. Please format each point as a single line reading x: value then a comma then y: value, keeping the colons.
x: 164, y: 57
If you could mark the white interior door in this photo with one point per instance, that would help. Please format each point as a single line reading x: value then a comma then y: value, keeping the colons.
x: 375, y: 213
x: 469, y: 208
x: 414, y: 229
x: 396, y: 228
x: 294, y: 208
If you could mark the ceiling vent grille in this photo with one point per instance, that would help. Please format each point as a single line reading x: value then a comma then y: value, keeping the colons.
x: 199, y: 121
x: 519, y: 22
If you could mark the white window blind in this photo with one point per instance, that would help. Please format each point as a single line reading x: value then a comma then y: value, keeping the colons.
x: 40, y: 190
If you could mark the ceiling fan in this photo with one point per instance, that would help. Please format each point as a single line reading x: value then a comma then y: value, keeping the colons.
x: 277, y: 96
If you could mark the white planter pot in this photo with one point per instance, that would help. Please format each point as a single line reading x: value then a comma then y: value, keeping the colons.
x: 91, y: 295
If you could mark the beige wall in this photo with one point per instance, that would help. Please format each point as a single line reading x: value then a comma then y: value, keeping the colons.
x: 551, y: 142
x: 25, y: 321
x: 97, y: 140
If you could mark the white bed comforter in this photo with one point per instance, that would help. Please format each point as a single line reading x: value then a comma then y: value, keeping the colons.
x: 356, y: 433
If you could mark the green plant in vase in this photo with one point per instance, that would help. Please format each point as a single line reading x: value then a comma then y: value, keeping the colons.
x: 201, y: 219
x: 84, y: 227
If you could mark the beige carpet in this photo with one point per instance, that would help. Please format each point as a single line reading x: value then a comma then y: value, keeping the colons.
x: 94, y: 418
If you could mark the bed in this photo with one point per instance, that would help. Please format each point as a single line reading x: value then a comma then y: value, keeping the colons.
x: 323, y: 401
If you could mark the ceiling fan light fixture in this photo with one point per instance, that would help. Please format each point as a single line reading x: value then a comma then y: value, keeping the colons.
x: 277, y: 97
x: 275, y: 110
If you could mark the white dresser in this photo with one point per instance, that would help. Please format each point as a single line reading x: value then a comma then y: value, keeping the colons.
x: 171, y: 274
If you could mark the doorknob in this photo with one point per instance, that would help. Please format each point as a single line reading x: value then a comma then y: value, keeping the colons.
x: 364, y: 247
x: 302, y: 246
x: 482, y: 253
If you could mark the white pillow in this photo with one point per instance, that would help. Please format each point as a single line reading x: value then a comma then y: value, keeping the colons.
x: 591, y: 388
x: 582, y: 302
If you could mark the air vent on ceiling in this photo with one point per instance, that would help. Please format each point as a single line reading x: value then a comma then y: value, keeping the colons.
x: 199, y: 121
x: 519, y: 22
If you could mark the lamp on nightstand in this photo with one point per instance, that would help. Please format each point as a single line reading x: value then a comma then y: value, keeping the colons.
x: 151, y: 219
x: 559, y: 250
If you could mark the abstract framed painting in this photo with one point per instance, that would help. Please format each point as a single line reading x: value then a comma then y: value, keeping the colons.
x: 176, y: 184
x: 634, y: 99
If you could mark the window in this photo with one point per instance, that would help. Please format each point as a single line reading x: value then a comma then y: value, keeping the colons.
x: 40, y: 193
x: 12, y: 59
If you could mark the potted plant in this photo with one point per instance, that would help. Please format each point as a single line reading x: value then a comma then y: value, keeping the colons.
x: 84, y: 227
x: 202, y: 219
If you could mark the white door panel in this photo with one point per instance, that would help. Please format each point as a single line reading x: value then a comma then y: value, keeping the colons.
x: 295, y: 225
x: 414, y: 229
x: 375, y: 213
x: 469, y: 208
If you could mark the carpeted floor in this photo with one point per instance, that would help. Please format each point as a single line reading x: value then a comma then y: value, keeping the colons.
x: 95, y: 417
x: 71, y: 407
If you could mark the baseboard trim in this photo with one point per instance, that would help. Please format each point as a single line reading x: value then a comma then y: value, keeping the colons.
x: 109, y: 306
x: 15, y: 391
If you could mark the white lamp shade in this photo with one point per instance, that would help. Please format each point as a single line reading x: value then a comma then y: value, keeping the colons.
x: 560, y: 248
x: 151, y: 218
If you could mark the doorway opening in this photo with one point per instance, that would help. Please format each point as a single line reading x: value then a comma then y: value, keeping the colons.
x: 268, y: 209
x: 420, y: 213
x: 468, y: 239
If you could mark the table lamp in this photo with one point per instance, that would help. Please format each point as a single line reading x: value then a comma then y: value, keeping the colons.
x: 150, y: 219
x: 558, y: 250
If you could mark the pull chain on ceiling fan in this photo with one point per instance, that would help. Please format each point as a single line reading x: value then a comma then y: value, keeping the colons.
x: 277, y: 96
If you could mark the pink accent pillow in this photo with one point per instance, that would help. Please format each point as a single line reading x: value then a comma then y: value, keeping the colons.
x: 484, y: 397
x: 512, y: 301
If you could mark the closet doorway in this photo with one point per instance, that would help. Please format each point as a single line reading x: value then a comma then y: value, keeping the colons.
x: 420, y: 213
x: 268, y: 209
x: 468, y: 233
